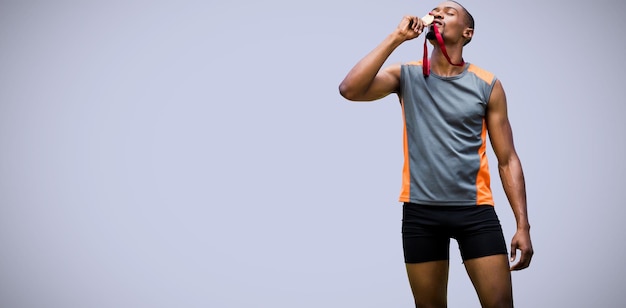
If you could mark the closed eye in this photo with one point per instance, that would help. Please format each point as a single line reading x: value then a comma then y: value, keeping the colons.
x: 450, y: 10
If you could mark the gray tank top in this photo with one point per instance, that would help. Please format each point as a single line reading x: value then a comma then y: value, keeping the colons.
x: 445, y: 134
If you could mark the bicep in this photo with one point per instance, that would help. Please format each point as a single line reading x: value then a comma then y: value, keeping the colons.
x: 498, y: 125
x: 387, y: 81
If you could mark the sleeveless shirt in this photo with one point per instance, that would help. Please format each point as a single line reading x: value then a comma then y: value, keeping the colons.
x: 444, y: 138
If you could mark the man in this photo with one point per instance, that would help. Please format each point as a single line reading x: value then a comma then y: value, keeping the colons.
x: 448, y: 108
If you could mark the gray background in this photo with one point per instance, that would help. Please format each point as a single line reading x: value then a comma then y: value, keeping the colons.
x: 198, y: 154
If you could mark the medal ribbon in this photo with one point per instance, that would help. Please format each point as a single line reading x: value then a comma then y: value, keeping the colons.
x: 442, y: 46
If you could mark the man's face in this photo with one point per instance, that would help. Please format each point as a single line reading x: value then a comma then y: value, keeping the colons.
x: 450, y: 20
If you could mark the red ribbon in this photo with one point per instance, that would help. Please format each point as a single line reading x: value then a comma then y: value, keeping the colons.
x: 442, y: 46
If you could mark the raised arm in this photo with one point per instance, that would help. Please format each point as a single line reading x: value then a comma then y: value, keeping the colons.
x: 511, y: 174
x: 366, y: 81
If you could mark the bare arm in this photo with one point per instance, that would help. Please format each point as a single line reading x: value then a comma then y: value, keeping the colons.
x: 511, y: 174
x: 366, y: 81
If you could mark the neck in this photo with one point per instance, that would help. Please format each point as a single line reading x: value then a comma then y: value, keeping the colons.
x: 441, y: 66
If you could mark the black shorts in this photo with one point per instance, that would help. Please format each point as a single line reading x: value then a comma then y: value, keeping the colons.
x: 427, y: 230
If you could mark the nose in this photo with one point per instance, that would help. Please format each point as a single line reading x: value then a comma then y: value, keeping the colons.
x: 436, y: 14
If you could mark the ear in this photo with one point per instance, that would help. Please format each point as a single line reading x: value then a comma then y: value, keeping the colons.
x: 468, y: 33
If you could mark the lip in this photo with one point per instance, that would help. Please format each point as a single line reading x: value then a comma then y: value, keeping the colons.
x: 438, y: 22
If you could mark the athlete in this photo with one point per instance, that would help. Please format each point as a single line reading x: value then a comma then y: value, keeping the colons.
x: 449, y: 106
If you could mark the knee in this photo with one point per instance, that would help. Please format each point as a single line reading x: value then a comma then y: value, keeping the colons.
x: 430, y: 303
x: 499, y: 302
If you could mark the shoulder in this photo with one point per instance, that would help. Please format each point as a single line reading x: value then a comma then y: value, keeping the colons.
x: 482, y: 74
x: 400, y: 66
x: 414, y: 63
x: 405, y: 69
x: 399, y: 69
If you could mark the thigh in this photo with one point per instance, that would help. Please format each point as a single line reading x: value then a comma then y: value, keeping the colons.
x: 424, y: 238
x: 426, y: 245
x: 491, y: 277
x: 429, y: 283
x: 480, y: 233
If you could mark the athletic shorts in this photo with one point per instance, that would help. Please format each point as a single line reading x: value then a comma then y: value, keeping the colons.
x: 427, y: 230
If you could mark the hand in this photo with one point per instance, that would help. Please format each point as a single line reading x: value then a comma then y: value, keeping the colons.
x: 521, y: 241
x: 410, y: 27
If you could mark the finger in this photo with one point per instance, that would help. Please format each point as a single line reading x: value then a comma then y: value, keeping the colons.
x: 414, y: 23
x: 524, y: 261
x: 527, y: 256
x: 420, y: 26
x: 522, y: 264
x: 513, y: 252
x: 406, y: 23
x: 515, y: 266
x: 518, y: 266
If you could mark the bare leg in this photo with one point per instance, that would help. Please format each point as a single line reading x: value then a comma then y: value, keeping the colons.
x: 491, y: 277
x: 429, y: 283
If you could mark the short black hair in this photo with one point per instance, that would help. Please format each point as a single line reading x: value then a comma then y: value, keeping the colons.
x: 469, y: 19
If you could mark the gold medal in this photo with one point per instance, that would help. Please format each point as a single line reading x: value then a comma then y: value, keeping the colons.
x: 428, y: 19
